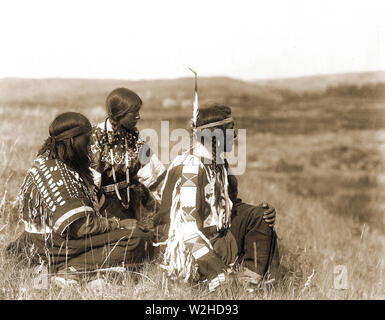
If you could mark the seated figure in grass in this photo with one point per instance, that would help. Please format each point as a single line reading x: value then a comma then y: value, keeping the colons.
x: 129, y: 173
x: 58, y: 201
x: 205, y: 227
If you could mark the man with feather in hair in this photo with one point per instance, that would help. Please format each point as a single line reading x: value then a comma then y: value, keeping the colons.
x: 208, y: 232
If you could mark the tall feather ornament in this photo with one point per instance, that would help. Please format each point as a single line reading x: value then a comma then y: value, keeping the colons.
x: 196, y: 103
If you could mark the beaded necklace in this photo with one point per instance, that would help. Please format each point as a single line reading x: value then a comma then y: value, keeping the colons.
x: 128, y: 162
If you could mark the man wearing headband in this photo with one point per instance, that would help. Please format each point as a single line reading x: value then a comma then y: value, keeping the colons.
x: 206, y: 226
x: 129, y: 173
x: 58, y: 203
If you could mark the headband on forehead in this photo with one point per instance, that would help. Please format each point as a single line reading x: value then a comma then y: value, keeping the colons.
x: 68, y: 134
x: 216, y: 124
x: 71, y: 133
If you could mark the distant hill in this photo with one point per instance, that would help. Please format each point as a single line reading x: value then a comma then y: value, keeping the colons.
x: 322, y: 82
x: 92, y: 91
x: 175, y: 92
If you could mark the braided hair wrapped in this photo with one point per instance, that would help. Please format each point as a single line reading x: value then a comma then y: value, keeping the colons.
x: 207, y: 116
x: 69, y: 136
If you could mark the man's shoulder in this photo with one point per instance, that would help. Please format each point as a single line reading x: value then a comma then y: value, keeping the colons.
x: 42, y: 161
x: 55, y: 167
x: 186, y: 163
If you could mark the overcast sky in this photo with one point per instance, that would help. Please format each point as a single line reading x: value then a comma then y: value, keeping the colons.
x: 161, y: 39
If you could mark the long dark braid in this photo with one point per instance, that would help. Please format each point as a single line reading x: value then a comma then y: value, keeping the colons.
x: 215, y: 169
x: 214, y: 165
x: 206, y: 116
x: 114, y: 123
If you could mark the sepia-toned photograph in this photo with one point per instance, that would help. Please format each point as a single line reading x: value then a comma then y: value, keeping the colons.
x: 200, y: 152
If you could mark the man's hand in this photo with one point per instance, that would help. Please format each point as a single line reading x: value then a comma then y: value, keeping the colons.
x: 129, y: 224
x: 269, y: 213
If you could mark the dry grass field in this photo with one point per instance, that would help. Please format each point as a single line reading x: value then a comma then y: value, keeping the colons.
x: 321, y: 163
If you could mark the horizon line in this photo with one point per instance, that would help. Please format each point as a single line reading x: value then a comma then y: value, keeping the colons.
x: 201, y: 77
